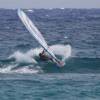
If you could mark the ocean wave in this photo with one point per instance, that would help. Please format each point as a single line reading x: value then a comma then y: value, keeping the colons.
x: 25, y: 70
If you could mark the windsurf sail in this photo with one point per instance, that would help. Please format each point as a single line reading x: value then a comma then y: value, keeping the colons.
x: 35, y: 32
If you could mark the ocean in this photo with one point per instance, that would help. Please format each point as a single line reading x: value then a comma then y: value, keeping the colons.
x: 72, y: 34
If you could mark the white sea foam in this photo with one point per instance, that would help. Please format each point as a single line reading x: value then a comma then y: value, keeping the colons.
x: 29, y: 57
x: 30, y: 10
x: 34, y: 52
x: 24, y: 70
x: 65, y: 37
x: 62, y: 50
x: 62, y: 8
x: 22, y: 57
x: 6, y: 69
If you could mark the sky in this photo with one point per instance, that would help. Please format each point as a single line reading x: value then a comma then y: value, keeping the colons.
x: 49, y: 4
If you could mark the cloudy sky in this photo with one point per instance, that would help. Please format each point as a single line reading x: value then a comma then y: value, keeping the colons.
x: 49, y: 3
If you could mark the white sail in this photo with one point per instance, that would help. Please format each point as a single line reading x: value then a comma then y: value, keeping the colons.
x: 34, y: 32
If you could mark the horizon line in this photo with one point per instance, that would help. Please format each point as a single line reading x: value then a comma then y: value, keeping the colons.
x: 50, y: 8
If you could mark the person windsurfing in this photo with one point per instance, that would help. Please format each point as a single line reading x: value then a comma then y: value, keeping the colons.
x: 43, y: 56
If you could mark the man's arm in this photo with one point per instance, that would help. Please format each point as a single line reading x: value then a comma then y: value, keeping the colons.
x: 43, y: 52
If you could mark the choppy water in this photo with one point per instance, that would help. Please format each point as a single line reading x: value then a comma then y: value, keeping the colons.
x: 72, y: 34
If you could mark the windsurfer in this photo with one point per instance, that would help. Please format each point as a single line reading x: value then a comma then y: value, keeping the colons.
x: 43, y: 56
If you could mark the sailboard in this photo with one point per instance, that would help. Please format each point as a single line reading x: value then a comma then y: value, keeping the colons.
x: 36, y: 33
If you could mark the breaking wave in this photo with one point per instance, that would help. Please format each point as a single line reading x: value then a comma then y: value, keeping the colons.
x: 26, y: 62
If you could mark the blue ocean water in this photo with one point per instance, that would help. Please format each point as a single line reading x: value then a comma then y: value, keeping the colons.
x: 23, y: 76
